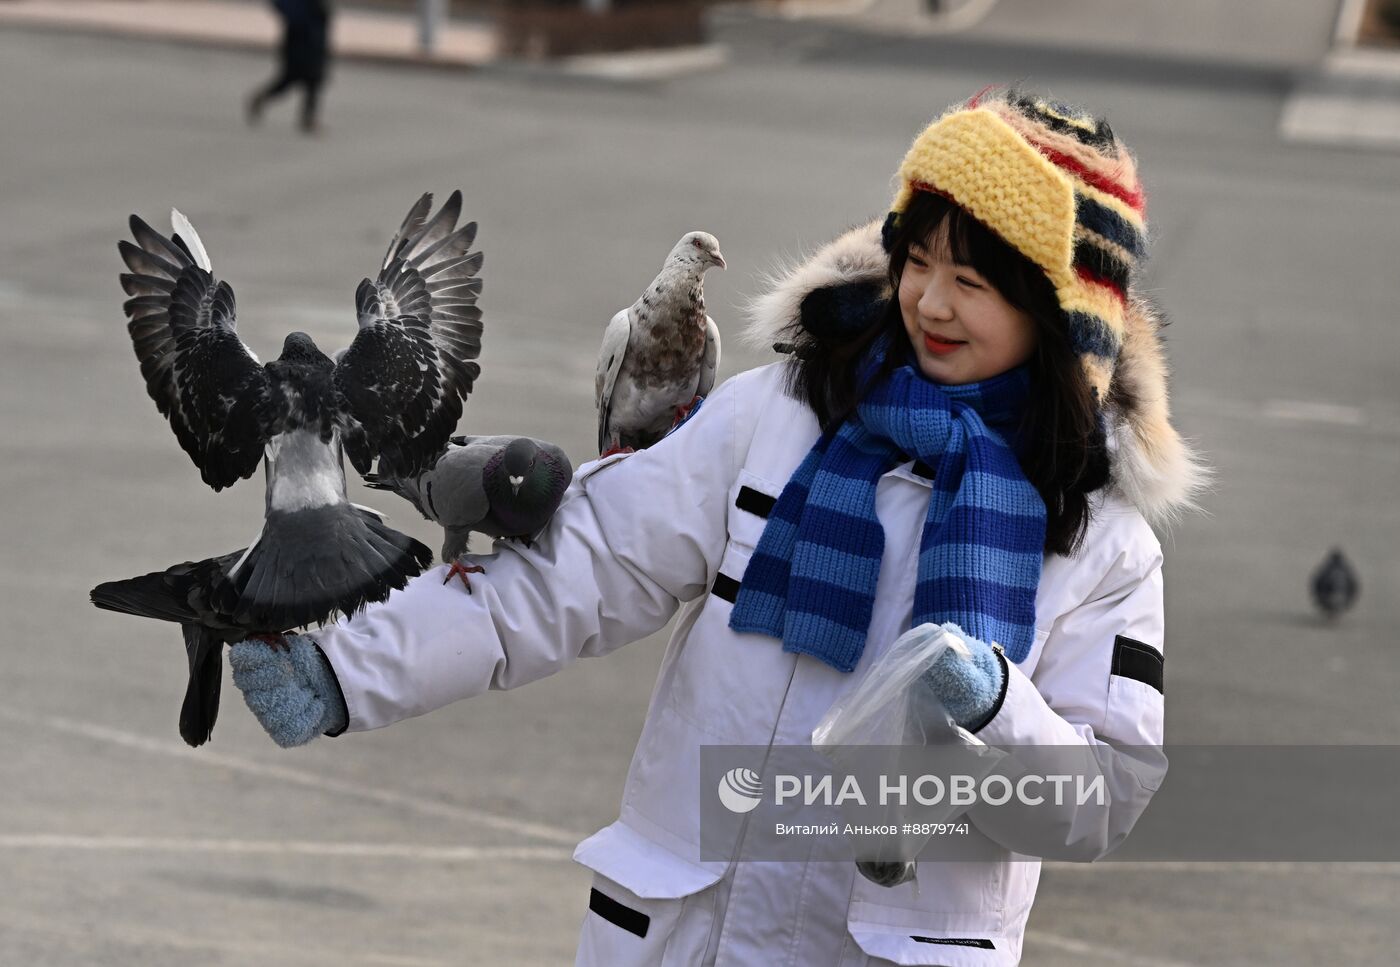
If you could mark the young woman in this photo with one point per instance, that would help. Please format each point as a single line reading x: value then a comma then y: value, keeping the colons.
x: 971, y: 428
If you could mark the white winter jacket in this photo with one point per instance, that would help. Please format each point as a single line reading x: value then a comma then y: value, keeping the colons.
x: 666, y: 533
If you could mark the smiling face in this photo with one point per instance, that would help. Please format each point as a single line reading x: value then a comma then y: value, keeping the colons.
x: 962, y: 330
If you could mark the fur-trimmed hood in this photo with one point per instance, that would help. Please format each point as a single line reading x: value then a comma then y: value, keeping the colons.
x: 1152, y: 466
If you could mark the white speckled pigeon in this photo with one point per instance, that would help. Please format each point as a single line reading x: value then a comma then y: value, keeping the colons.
x: 501, y: 486
x: 659, y: 355
x: 396, y: 394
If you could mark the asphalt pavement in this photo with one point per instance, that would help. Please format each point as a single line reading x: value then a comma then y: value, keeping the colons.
x: 445, y: 839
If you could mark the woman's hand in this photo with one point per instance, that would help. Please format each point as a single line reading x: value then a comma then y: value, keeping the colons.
x: 969, y: 688
x: 292, y: 691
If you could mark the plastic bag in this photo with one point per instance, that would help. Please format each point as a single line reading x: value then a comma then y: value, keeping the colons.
x: 885, y: 708
x: 891, y: 707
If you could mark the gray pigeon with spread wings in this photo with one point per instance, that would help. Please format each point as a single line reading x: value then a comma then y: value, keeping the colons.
x: 659, y: 354
x: 501, y: 486
x: 394, y: 394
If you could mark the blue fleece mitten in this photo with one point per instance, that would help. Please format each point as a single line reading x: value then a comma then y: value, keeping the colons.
x: 971, y: 687
x: 292, y: 692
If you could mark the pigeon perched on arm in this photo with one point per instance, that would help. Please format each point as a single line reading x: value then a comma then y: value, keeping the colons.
x: 395, y: 394
x: 501, y: 486
x: 660, y: 354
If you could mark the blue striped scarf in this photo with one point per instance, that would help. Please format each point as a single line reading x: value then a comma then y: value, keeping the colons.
x: 811, y: 580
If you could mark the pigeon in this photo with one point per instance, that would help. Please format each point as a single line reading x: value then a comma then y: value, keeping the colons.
x: 395, y: 395
x: 1334, y: 585
x: 660, y: 355
x: 501, y: 486
x: 185, y: 594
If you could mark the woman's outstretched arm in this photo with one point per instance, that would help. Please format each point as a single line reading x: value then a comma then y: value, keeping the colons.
x: 633, y: 538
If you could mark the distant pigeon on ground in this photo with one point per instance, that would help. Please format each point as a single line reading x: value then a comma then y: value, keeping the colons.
x: 1334, y: 585
x: 659, y: 356
x: 501, y: 486
x: 394, y: 394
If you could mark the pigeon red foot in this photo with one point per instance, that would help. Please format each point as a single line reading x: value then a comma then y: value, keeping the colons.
x: 617, y: 449
x: 684, y: 411
x: 462, y: 570
x: 273, y: 640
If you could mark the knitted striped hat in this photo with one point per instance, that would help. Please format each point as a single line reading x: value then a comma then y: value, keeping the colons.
x: 1059, y: 187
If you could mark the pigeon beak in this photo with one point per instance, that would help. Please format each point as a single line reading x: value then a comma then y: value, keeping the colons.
x: 719, y: 260
x: 515, y: 483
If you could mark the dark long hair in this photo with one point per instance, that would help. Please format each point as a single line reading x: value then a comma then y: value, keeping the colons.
x: 1061, y: 445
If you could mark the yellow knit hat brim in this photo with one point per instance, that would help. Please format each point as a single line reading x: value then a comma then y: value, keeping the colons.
x: 977, y: 159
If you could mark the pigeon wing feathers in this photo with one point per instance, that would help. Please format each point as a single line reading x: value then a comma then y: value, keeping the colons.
x: 423, y: 304
x: 709, y: 362
x: 181, y: 593
x: 202, y: 377
x: 441, y: 255
x: 436, y: 254
x: 434, y: 492
x: 494, y: 440
x: 200, y: 709
x: 412, y: 224
x: 409, y: 488
x: 457, y: 497
x: 185, y: 233
x: 379, y: 376
x: 610, y: 357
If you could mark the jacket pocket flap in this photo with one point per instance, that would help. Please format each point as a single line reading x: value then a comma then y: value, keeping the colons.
x: 947, y: 949
x: 587, y: 470
x: 625, y: 856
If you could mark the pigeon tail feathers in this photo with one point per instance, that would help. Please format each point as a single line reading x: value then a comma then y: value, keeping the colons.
x: 310, y: 564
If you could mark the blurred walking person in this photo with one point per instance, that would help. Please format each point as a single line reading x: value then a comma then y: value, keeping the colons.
x: 305, y: 53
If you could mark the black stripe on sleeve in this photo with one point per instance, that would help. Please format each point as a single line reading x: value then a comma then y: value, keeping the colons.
x: 1139, y: 661
x: 980, y: 944
x: 1001, y: 695
x: 755, y: 502
x: 339, y: 692
x: 725, y: 587
x: 633, y: 921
